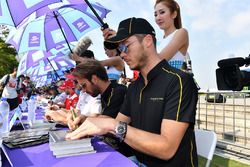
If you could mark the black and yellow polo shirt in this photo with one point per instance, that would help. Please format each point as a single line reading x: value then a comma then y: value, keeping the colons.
x: 169, y: 94
x: 112, y: 99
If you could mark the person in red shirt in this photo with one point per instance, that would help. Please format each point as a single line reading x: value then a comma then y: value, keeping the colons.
x: 69, y: 87
x: 59, y: 112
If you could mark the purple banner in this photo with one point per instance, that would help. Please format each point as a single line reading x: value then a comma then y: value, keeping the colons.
x: 81, y: 25
x: 34, y: 39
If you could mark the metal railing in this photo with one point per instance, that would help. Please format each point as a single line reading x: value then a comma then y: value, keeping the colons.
x: 227, y: 114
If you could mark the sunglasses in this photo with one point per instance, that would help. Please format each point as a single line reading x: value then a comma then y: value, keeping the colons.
x: 124, y: 48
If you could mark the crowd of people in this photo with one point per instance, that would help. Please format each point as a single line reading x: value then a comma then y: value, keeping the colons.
x: 152, y: 119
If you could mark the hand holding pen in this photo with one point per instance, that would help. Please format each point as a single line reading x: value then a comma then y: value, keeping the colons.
x: 75, y: 121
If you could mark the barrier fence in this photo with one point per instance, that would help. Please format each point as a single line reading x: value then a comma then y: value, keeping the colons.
x: 226, y: 113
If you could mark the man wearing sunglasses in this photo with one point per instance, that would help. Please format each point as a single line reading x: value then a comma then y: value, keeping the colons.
x: 159, y: 106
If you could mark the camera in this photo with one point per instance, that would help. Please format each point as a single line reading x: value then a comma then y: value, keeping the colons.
x: 230, y: 77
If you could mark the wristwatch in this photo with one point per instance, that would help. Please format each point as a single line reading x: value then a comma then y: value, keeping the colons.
x: 121, y: 130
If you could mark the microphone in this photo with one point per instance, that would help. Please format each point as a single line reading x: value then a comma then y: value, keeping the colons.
x: 82, y: 45
x: 232, y: 61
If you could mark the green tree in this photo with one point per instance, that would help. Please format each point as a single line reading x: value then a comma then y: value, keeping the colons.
x: 7, y: 55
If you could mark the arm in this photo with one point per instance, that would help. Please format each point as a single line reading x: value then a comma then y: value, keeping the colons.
x: 60, y: 98
x: 80, y: 132
x: 60, y: 105
x: 123, y: 118
x: 94, y: 115
x: 108, y: 33
x: 178, y: 43
x: 2, y: 81
x: 162, y: 146
x: 114, y: 61
x: 75, y: 57
x: 57, y: 116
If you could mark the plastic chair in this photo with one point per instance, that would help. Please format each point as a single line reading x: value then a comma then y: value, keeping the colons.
x: 206, y: 143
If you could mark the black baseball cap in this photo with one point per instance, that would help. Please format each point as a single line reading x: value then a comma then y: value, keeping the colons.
x: 129, y: 27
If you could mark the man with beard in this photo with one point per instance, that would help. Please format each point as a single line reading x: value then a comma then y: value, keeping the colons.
x: 157, y: 117
x: 93, y: 79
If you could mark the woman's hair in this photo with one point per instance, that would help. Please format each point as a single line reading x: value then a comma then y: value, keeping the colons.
x: 88, y: 54
x: 173, y: 6
x: 108, y: 45
x: 112, y: 46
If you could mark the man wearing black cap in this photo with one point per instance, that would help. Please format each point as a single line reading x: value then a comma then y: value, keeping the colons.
x: 160, y: 105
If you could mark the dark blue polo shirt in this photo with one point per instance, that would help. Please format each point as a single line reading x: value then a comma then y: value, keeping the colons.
x: 169, y: 94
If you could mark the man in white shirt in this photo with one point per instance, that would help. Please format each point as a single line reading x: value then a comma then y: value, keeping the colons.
x: 60, y: 99
x: 9, y: 90
x: 88, y: 105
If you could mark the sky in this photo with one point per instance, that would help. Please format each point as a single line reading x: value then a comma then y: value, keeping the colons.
x: 218, y: 29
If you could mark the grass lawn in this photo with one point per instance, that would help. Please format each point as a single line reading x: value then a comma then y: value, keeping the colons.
x: 221, y: 162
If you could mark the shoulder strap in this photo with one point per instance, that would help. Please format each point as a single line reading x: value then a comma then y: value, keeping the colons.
x: 18, y: 83
x: 7, y: 80
x: 124, y: 72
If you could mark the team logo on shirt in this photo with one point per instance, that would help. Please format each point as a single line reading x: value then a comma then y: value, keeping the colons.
x: 157, y: 99
x: 12, y: 84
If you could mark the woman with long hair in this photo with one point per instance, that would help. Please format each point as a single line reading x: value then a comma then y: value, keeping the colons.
x: 175, y: 41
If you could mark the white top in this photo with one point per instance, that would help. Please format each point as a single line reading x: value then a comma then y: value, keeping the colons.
x: 178, y: 59
x: 10, y: 89
x: 60, y: 99
x: 113, y: 73
x: 89, y: 105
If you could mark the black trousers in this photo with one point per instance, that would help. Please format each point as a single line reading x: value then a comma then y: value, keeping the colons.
x: 13, y: 103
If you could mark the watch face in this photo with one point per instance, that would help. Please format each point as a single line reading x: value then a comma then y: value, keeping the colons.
x: 120, y: 129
